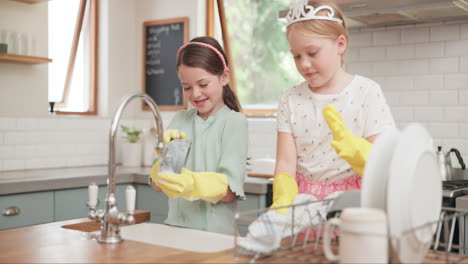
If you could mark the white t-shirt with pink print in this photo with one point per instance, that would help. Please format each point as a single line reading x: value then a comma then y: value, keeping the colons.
x: 365, y: 113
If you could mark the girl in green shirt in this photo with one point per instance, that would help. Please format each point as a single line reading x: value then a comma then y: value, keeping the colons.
x: 204, y: 195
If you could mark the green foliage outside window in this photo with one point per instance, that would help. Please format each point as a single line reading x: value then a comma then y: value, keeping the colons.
x: 264, y: 66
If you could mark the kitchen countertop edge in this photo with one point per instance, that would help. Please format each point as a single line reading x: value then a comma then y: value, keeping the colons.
x: 16, y: 182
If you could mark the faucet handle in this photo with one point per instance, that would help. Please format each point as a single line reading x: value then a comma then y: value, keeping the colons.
x: 92, y: 195
x: 130, y: 194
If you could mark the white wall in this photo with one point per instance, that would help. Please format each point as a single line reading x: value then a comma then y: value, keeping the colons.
x: 23, y: 88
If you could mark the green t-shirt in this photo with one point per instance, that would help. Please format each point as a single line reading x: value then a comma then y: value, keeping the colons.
x: 219, y: 144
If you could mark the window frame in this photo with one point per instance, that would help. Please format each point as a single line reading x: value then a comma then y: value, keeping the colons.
x: 249, y: 112
x: 93, y: 59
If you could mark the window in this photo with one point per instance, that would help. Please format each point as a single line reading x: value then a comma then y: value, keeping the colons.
x: 263, y: 65
x: 73, y: 49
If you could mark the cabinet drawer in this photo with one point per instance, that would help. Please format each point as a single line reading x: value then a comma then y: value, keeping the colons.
x: 253, y: 202
x: 155, y: 202
x: 71, y: 203
x: 34, y: 208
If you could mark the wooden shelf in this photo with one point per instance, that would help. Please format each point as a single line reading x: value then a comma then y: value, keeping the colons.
x: 13, y: 58
x: 31, y: 1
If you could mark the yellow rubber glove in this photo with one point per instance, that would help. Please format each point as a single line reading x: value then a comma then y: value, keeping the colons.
x: 208, y: 186
x: 154, y: 173
x: 348, y: 146
x: 171, y: 134
x: 284, y: 191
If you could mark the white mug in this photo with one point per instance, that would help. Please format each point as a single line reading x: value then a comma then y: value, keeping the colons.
x: 363, y: 236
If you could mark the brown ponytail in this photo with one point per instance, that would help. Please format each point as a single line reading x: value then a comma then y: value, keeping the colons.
x: 205, y: 58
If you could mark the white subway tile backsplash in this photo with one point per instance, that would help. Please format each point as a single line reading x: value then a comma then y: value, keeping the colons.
x: 445, y: 32
x: 415, y: 35
x: 430, y: 50
x: 393, y: 98
x: 444, y: 65
x: 428, y: 82
x: 365, y: 69
x: 444, y: 98
x: 464, y: 31
x: 401, y: 52
x: 9, y: 164
x: 463, y: 97
x: 456, y: 48
x: 428, y: 114
x: 12, y: 138
x: 402, y: 114
x: 26, y: 152
x: 1, y: 138
x: 360, y: 39
x: 386, y: 68
x: 351, y: 55
x: 372, y: 54
x: 398, y: 83
x: 463, y: 64
x: 443, y: 130
x: 7, y: 152
x: 37, y: 163
x: 8, y: 124
x: 456, y: 81
x: 463, y: 131
x: 390, y: 37
x: 456, y: 114
x: 413, y: 98
x: 413, y: 67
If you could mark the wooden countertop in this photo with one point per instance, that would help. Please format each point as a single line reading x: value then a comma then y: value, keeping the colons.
x: 50, y: 243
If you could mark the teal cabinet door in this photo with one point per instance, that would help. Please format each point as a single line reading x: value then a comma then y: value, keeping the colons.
x: 33, y: 208
x: 72, y: 203
x: 253, y: 202
x: 155, y: 202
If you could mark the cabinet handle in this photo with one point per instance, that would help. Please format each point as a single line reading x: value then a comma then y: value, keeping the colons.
x: 12, y: 210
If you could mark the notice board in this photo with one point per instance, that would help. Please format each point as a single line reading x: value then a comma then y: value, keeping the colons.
x: 161, y: 41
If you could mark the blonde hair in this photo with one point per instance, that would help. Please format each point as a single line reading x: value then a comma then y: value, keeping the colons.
x: 325, y: 28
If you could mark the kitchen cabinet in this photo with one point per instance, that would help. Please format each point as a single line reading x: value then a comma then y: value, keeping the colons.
x: 34, y: 208
x: 155, y: 202
x: 253, y: 202
x: 22, y: 59
x: 71, y: 203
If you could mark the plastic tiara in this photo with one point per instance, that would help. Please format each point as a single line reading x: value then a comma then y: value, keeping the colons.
x: 204, y: 45
x: 301, y: 10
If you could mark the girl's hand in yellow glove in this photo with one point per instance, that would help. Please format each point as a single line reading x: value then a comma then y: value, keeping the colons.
x: 171, y: 134
x: 154, y: 175
x: 348, y: 146
x: 284, y: 191
x: 208, y: 186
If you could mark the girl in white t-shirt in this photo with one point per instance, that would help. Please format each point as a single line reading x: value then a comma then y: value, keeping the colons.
x: 318, y: 39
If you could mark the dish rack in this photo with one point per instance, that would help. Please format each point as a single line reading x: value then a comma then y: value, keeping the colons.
x: 304, y: 244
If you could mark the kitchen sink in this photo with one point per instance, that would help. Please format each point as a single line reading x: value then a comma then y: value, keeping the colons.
x: 177, y: 237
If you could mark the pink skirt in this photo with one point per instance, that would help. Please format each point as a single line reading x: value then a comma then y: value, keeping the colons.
x: 321, y: 190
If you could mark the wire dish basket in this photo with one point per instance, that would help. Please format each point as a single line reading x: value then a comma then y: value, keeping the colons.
x: 297, y: 237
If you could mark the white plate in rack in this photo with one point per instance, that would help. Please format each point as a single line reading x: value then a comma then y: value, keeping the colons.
x: 376, y: 172
x: 413, y: 195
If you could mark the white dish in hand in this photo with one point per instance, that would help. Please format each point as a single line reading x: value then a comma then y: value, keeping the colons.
x: 414, y: 196
x: 376, y: 172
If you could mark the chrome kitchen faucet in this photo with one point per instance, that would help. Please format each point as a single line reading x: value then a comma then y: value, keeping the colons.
x: 110, y: 218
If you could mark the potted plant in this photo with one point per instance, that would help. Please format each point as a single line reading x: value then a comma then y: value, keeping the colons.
x: 132, y: 148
